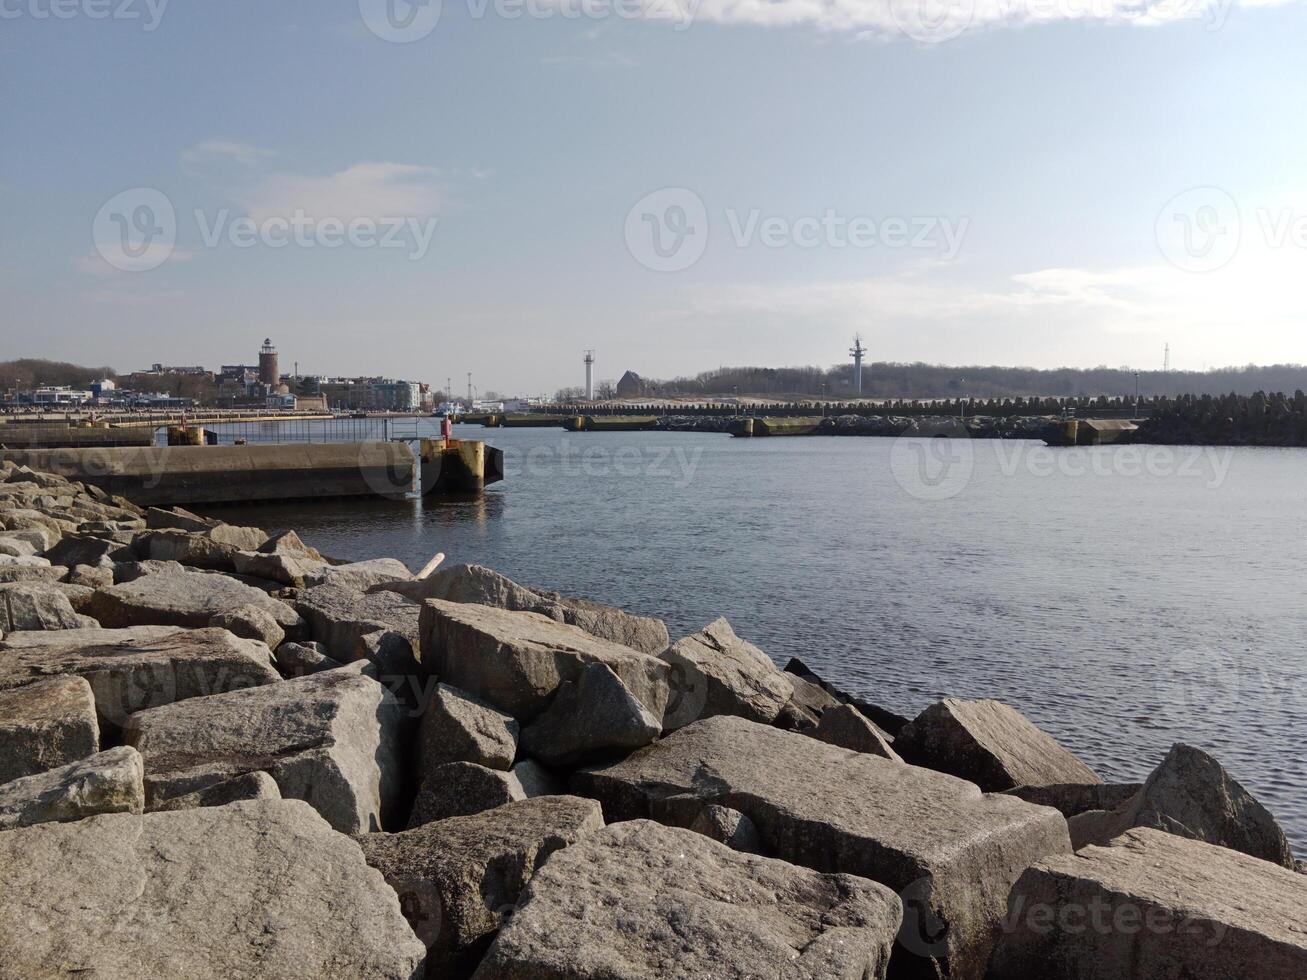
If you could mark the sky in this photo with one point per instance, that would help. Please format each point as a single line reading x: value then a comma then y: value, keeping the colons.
x: 495, y: 186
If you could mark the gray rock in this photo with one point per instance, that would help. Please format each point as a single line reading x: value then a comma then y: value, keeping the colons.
x: 16, y: 546
x: 299, y: 659
x: 729, y: 827
x: 1071, y: 799
x: 107, y: 782
x: 1191, y: 795
x: 639, y: 901
x: 287, y: 569
x: 457, y: 879
x: 993, y: 745
x: 46, y: 724
x: 40, y: 571
x: 238, y: 538
x: 36, y: 606
x: 811, y: 696
x: 884, y: 719
x: 591, y: 716
x: 714, y: 672
x: 517, y: 660
x: 536, y: 780
x: 847, y: 727
x: 339, y: 617
x: 156, y: 518
x: 949, y: 850
x: 76, y: 550
x: 332, y: 739
x: 91, y: 576
x: 362, y: 575
x: 393, y: 654
x: 130, y: 670
x: 457, y: 727
x: 189, y: 599
x: 249, y: 786
x: 479, y: 585
x: 289, y: 543
x: 185, y: 548
x: 458, y: 789
x: 252, y: 623
x: 1158, y: 906
x: 262, y: 889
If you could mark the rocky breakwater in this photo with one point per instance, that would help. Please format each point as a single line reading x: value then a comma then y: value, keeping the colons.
x: 225, y: 754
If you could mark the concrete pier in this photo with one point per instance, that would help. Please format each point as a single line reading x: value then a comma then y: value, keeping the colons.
x: 199, y: 474
x: 759, y: 427
x: 53, y: 436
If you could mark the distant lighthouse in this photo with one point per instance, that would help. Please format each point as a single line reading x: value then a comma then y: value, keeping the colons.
x: 269, y: 374
x: 589, y: 375
x: 857, y: 350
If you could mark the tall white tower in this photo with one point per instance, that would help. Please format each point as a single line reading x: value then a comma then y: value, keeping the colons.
x: 589, y: 375
x: 857, y: 350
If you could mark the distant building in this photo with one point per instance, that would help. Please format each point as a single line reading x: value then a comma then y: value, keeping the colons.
x: 56, y: 395
x: 631, y: 386
x: 269, y: 374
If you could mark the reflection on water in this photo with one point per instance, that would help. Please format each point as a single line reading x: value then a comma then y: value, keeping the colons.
x: 1124, y: 600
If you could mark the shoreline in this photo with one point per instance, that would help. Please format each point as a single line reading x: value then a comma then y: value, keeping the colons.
x: 254, y: 694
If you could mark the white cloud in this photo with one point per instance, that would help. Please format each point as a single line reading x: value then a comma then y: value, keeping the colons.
x: 935, y: 21
x: 215, y: 150
x: 365, y: 190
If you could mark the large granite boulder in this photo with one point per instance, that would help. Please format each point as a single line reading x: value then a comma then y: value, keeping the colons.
x: 186, y: 548
x: 333, y: 739
x: 36, y: 606
x: 133, y: 669
x: 714, y: 672
x: 189, y: 599
x: 950, y: 851
x: 639, y: 901
x: 46, y: 724
x: 1071, y: 799
x: 884, y: 719
x: 480, y: 585
x: 993, y: 745
x: 289, y: 569
x: 847, y: 727
x: 298, y: 659
x: 248, y: 786
x: 457, y: 727
x: 82, y: 549
x: 361, y: 575
x: 158, y: 518
x: 458, y: 789
x: 107, y: 782
x: 42, y: 571
x: 1157, y: 906
x: 252, y: 623
x: 262, y: 889
x: 1191, y: 795
x: 458, y: 879
x: 592, y: 716
x: 339, y: 617
x: 517, y: 660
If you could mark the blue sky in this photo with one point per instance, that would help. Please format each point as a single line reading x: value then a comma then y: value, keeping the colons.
x: 1062, y: 182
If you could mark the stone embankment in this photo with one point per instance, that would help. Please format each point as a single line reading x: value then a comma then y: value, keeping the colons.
x: 227, y: 755
x: 977, y: 427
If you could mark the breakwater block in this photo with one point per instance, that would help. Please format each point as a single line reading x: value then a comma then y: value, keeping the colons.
x: 185, y: 475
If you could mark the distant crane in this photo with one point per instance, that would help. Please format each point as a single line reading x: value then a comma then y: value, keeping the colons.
x: 589, y: 375
x: 857, y: 350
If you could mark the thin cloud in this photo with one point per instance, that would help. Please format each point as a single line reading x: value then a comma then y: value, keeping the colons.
x: 211, y: 150
x: 365, y: 190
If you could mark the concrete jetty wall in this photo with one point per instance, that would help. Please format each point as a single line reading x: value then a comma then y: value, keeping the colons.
x: 155, y: 476
x: 22, y: 436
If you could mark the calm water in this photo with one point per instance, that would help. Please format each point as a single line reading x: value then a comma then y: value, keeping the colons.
x: 1123, y: 598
